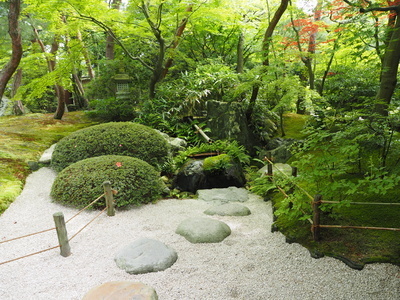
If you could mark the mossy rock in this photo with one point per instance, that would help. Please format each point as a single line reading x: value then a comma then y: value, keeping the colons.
x: 218, y: 162
x: 123, y: 138
x: 136, y: 181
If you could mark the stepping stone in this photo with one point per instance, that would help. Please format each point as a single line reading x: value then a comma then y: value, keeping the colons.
x: 224, y: 195
x: 122, y: 290
x: 47, y: 154
x: 203, y: 230
x: 144, y: 256
x: 228, y: 209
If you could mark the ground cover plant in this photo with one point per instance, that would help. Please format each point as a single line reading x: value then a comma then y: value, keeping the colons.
x: 136, y: 181
x: 123, y: 138
x: 23, y: 139
x: 341, y: 169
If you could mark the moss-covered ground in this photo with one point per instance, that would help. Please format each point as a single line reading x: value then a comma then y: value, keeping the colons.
x: 356, y: 247
x: 23, y: 139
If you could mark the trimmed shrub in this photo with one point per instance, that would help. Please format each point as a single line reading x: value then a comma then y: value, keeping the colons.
x: 124, y: 138
x: 136, y: 181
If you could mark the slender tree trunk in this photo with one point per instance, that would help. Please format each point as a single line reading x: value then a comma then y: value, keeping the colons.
x: 240, y: 57
x: 390, y: 67
x: 110, y: 43
x: 265, y: 48
x: 16, y: 41
x: 175, y: 43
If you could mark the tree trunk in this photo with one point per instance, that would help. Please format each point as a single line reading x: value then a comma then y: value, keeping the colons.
x: 240, y: 58
x: 16, y: 41
x: 175, y: 43
x: 390, y: 67
x: 110, y: 53
x: 265, y: 48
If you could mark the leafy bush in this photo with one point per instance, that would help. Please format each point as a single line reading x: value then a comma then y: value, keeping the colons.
x: 136, y: 181
x: 122, y: 138
x: 112, y: 109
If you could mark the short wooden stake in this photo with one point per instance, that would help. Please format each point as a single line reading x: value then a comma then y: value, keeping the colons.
x: 316, y: 217
x: 108, y: 194
x: 65, y: 249
x: 269, y: 167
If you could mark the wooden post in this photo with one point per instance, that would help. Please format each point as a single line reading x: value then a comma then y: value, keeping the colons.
x: 65, y: 249
x: 108, y: 194
x: 269, y: 166
x: 316, y: 217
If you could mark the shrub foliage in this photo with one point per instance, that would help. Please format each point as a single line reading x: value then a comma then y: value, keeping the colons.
x: 136, y: 181
x: 124, y: 138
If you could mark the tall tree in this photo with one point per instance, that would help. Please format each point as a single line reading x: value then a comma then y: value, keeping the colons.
x: 16, y: 42
x: 391, y: 56
x: 267, y: 41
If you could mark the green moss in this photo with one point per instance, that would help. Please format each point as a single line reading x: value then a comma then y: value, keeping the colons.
x: 294, y: 124
x: 23, y: 139
x: 124, y: 138
x: 218, y: 162
x: 136, y: 181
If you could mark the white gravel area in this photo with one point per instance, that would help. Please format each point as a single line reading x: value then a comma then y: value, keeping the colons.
x: 252, y: 263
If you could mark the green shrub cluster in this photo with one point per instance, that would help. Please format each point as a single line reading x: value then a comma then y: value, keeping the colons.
x: 136, y: 181
x: 219, y: 162
x: 123, y: 138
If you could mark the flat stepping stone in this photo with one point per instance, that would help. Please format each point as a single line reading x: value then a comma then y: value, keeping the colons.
x: 47, y: 154
x: 228, y: 209
x: 144, y: 256
x: 224, y: 195
x: 122, y: 290
x: 203, y: 230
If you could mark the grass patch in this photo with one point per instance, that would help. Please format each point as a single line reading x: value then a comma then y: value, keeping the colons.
x: 23, y: 139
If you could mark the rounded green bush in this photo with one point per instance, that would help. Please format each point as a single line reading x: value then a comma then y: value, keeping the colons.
x: 136, y: 181
x: 118, y: 138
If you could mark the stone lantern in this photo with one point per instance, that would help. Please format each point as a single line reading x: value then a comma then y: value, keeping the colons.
x: 122, y: 86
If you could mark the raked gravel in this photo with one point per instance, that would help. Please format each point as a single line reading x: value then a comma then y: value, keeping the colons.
x: 252, y: 263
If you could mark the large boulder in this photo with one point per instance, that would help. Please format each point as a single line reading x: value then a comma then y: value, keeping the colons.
x: 144, y: 256
x: 227, y: 120
x: 122, y: 290
x: 200, y: 174
x: 203, y: 230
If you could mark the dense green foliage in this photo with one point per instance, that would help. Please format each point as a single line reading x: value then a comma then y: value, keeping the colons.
x: 231, y: 148
x: 136, y: 181
x: 124, y: 138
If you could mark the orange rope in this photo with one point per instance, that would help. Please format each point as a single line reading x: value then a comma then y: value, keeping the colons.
x: 93, y: 202
x: 24, y: 236
x: 8, y: 261
x: 87, y: 224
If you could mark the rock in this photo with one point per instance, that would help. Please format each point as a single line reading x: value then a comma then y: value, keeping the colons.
x: 227, y: 120
x: 230, y: 194
x: 33, y: 165
x: 278, y: 168
x: 228, y: 209
x: 175, y: 144
x: 47, y: 154
x: 122, y: 290
x: 144, y: 256
x: 193, y: 176
x: 280, y: 149
x: 203, y: 230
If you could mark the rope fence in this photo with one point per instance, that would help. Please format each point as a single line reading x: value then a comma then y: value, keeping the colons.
x: 317, y: 201
x: 61, y: 225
